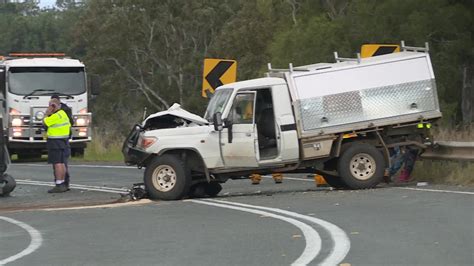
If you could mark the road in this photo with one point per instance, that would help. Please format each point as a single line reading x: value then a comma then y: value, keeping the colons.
x: 267, y: 224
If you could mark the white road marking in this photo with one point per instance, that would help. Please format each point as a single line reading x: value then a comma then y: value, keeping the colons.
x: 80, y: 165
x: 102, y: 206
x: 35, y: 242
x: 437, y: 190
x: 82, y: 187
x: 312, y: 238
x: 341, y: 241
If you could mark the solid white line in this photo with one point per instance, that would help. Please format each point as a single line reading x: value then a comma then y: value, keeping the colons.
x: 35, y: 243
x: 341, y: 241
x: 75, y: 185
x: 437, y: 190
x: 80, y: 165
x: 313, y: 240
x: 37, y: 183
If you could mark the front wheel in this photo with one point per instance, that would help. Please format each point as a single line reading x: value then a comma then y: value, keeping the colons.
x: 361, y: 166
x: 167, y: 178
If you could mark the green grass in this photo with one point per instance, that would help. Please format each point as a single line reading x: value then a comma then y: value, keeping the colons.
x: 444, y: 172
x: 105, y: 148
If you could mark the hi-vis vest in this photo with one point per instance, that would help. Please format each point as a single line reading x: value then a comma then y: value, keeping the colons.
x: 58, y: 125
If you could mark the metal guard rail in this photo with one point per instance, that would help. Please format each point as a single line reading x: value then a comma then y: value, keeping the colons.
x: 450, y: 150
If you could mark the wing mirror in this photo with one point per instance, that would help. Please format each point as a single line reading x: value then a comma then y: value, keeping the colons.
x: 217, y: 120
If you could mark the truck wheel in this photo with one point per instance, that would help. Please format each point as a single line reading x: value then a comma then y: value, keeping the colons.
x: 29, y: 156
x: 167, y: 178
x: 361, y: 166
x: 212, y: 189
x: 77, y: 152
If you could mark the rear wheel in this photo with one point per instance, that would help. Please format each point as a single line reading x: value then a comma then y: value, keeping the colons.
x: 212, y: 189
x: 167, y: 178
x: 335, y: 181
x: 361, y: 166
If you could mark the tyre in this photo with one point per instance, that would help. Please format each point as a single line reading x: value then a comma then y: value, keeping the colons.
x: 29, y: 156
x: 361, y: 166
x: 212, y: 189
x: 77, y: 152
x: 205, y: 189
x: 167, y: 178
x: 334, y: 181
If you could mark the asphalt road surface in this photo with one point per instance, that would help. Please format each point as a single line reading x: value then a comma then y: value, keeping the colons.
x: 267, y: 224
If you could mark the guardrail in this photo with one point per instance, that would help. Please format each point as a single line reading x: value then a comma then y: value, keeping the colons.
x: 450, y: 150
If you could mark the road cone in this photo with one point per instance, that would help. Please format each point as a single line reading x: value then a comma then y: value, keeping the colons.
x: 256, y: 178
x: 278, y: 177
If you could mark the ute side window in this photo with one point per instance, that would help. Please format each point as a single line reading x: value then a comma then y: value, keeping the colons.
x: 242, y: 111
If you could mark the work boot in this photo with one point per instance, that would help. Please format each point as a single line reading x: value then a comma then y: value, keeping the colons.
x: 404, y: 176
x: 58, y: 188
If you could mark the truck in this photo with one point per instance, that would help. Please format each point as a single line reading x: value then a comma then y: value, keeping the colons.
x: 341, y: 120
x: 27, y: 82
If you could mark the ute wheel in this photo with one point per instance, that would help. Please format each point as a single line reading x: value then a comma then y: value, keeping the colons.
x: 212, y: 189
x: 204, y: 189
x: 167, y: 178
x: 334, y: 181
x: 361, y: 166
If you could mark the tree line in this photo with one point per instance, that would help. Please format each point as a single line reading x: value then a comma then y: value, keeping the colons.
x: 150, y: 53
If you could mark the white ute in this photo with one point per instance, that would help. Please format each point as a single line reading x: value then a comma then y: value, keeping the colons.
x: 339, y: 119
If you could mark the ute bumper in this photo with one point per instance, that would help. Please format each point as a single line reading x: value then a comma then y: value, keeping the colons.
x: 132, y: 154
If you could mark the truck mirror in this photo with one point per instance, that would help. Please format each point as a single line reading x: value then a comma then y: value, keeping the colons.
x: 94, y: 84
x: 217, y: 120
x: 2, y: 79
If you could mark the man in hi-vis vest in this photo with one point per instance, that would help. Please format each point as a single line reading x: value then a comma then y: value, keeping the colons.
x: 58, y: 128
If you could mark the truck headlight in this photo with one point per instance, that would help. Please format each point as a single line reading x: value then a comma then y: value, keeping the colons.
x: 81, y: 121
x: 17, y: 122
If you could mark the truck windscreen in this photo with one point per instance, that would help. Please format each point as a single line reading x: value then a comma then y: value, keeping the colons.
x: 67, y: 80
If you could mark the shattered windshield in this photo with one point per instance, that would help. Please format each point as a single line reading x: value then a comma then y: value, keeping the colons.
x: 217, y: 103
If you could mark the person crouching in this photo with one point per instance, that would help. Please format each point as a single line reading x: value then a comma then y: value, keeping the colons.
x: 58, y: 126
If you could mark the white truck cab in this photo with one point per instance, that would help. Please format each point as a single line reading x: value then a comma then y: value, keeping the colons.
x: 27, y: 82
x: 340, y: 119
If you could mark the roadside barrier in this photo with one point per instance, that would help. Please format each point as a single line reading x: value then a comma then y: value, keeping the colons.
x: 450, y: 150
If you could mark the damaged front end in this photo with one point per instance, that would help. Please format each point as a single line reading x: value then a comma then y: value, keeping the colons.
x: 135, y: 146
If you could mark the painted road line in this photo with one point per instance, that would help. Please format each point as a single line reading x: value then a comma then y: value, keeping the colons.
x: 35, y: 242
x: 312, y: 238
x: 80, y: 165
x: 341, y: 241
x: 34, y: 183
x: 102, y: 206
x: 76, y: 185
x: 436, y: 190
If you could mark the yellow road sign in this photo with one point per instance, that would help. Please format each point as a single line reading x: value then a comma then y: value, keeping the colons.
x: 217, y: 72
x: 369, y: 50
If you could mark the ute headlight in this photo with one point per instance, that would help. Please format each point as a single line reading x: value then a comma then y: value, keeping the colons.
x: 17, y: 122
x: 147, y: 142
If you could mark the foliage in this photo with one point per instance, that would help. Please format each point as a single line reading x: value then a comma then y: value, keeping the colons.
x: 150, y: 53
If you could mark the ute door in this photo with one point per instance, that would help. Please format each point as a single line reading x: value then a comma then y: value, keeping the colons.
x: 238, y: 138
